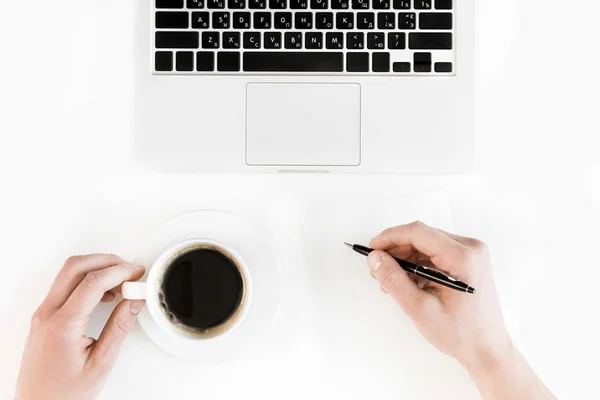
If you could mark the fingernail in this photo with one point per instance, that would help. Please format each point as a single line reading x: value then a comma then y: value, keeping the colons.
x: 374, y: 261
x: 136, y: 306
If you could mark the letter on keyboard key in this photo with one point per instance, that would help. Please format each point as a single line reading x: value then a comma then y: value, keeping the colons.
x: 195, y: 3
x: 252, y: 40
x: 357, y: 62
x: 314, y: 40
x: 293, y: 62
x: 334, y: 40
x: 355, y: 40
x: 262, y: 20
x: 430, y: 41
x: 177, y: 40
x: 435, y: 21
x: 339, y: 4
x: 169, y: 3
x: 344, y: 20
x: 228, y: 61
x: 272, y: 40
x: 293, y: 40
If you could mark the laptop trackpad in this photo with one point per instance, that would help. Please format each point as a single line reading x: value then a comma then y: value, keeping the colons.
x: 303, y: 124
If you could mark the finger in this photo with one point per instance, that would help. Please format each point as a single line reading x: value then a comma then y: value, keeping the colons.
x: 106, y: 349
x: 108, y: 297
x: 71, y: 275
x: 394, y: 281
x: 466, y: 241
x: 90, y: 291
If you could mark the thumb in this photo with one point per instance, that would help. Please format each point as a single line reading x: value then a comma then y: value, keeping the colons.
x: 396, y: 282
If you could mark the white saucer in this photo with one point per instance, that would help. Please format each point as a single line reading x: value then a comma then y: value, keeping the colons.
x: 249, y: 242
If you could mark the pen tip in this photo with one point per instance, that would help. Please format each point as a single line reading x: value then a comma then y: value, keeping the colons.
x: 348, y: 244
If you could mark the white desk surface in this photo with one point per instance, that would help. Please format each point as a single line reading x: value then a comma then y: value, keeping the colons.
x: 68, y: 177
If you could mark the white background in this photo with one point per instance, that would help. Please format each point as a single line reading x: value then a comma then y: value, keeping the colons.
x: 67, y: 176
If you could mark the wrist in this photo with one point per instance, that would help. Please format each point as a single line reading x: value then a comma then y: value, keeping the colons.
x: 489, y: 359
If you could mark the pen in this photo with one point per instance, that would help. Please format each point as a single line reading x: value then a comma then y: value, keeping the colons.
x: 432, y: 274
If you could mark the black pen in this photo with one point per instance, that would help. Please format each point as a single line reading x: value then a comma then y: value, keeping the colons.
x: 432, y: 274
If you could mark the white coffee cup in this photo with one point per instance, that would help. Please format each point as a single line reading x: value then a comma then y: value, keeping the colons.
x: 150, y: 291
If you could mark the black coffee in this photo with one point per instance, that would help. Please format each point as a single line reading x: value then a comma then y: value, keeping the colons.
x: 202, y: 288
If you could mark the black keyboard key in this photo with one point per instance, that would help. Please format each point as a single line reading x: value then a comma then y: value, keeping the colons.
x: 402, y: 4
x: 430, y: 41
x: 423, y: 4
x: 355, y: 40
x: 228, y: 61
x: 220, y: 20
x: 443, y: 67
x: 407, y: 21
x: 278, y: 4
x: 401, y: 67
x: 163, y: 61
x: 360, y: 4
x: 236, y: 4
x: 200, y: 20
x: 175, y: 20
x: 298, y: 4
x: 257, y: 4
x: 262, y: 20
x: 195, y: 3
x: 169, y: 3
x: 252, y: 40
x: 324, y: 20
x: 273, y: 40
x: 357, y: 62
x: 344, y: 20
x: 340, y: 4
x: 435, y: 21
x: 177, y: 40
x: 318, y: 4
x: 184, y: 61
x: 397, y: 41
x: 293, y: 40
x: 365, y: 20
x: 313, y: 40
x: 210, y: 40
x: 283, y: 20
x: 381, y: 62
x: 422, y: 62
x: 205, y: 61
x: 386, y: 20
x: 443, y: 4
x: 375, y: 41
x: 304, y: 20
x: 241, y: 20
x: 215, y: 4
x: 231, y: 40
x: 381, y: 4
x: 334, y: 40
x: 304, y: 61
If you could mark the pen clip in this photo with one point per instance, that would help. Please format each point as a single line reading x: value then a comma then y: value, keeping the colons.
x: 437, y: 271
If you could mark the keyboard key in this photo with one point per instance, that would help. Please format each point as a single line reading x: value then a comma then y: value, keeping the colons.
x: 293, y: 40
x: 262, y: 20
x: 184, y: 61
x: 443, y: 4
x: 210, y: 40
x: 324, y: 20
x: 423, y: 4
x: 177, y: 40
x: 355, y: 41
x: 443, y: 67
x: 283, y: 20
x: 407, y: 21
x: 334, y: 40
x: 435, y: 21
x: 278, y: 4
x: 257, y: 4
x: 169, y: 3
x: 402, y: 4
x: 205, y: 61
x: 422, y: 62
x: 386, y: 20
x: 401, y: 67
x: 272, y: 40
x: 228, y: 61
x: 365, y: 20
x: 304, y: 61
x: 304, y: 20
x: 339, y: 4
x: 171, y: 20
x: 430, y: 41
x: 195, y: 3
x: 381, y: 4
x: 236, y: 4
x: 360, y: 4
x: 344, y: 20
x: 241, y: 20
x: 231, y: 40
x: 397, y: 41
x: 318, y: 4
x: 298, y: 4
x: 163, y: 61
x: 381, y: 62
x: 220, y: 20
x: 215, y: 3
x: 314, y: 40
x: 252, y: 40
x: 200, y: 20
x: 375, y: 41
x: 357, y: 62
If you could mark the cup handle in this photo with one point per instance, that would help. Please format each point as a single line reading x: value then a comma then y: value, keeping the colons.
x: 134, y: 290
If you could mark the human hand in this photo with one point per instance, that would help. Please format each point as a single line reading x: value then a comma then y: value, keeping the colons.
x: 59, y: 361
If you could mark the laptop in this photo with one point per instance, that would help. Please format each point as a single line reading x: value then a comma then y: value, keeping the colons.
x: 358, y: 86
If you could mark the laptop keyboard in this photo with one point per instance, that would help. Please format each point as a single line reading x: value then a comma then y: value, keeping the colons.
x: 339, y: 37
